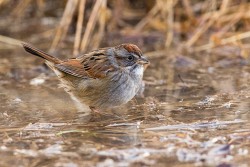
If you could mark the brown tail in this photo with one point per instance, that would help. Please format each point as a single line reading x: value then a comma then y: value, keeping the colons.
x: 40, y: 53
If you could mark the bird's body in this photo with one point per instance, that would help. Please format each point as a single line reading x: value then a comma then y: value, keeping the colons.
x: 101, y: 79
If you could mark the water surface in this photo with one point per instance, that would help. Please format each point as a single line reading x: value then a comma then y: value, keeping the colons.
x: 199, y: 117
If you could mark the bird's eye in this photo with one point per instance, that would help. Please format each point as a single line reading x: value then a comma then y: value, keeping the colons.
x: 130, y: 58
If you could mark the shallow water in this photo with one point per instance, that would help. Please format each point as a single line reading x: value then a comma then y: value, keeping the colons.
x: 199, y: 118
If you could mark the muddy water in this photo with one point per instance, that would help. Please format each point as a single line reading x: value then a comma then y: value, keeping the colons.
x: 199, y: 118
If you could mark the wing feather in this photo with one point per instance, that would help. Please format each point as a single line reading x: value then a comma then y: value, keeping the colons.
x: 94, y: 65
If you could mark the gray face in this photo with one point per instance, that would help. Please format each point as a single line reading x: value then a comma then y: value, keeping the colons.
x: 128, y: 57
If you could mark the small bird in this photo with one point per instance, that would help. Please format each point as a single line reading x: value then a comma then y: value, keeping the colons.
x: 101, y: 79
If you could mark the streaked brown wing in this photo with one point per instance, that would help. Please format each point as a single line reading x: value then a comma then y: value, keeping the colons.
x: 97, y: 66
x: 72, y: 67
x: 94, y: 65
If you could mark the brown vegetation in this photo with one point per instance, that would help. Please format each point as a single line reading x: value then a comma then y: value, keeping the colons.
x: 194, y: 26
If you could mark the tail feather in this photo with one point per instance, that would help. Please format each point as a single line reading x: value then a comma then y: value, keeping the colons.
x: 40, y: 53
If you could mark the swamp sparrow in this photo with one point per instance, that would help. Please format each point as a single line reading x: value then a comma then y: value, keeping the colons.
x: 100, y: 79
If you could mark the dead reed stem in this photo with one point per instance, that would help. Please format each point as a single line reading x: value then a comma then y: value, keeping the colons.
x: 188, y: 8
x: 79, y: 27
x: 226, y: 27
x: 224, y: 6
x: 65, y: 23
x: 204, y: 27
x: 224, y: 41
x: 147, y: 18
x: 90, y: 25
x: 216, y: 22
x: 2, y: 2
x: 10, y: 41
x: 19, y: 9
x: 116, y: 15
x: 102, y: 22
x: 170, y: 23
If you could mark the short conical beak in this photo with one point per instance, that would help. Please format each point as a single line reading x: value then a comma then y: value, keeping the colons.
x: 143, y: 60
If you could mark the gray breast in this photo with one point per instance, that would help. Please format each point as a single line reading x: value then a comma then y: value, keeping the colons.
x: 119, y: 90
x: 112, y: 91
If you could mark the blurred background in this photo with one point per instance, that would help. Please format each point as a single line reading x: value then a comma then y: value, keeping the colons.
x: 155, y: 26
x: 195, y: 108
x: 185, y: 34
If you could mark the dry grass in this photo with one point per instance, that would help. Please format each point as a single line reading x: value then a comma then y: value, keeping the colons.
x: 194, y: 25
